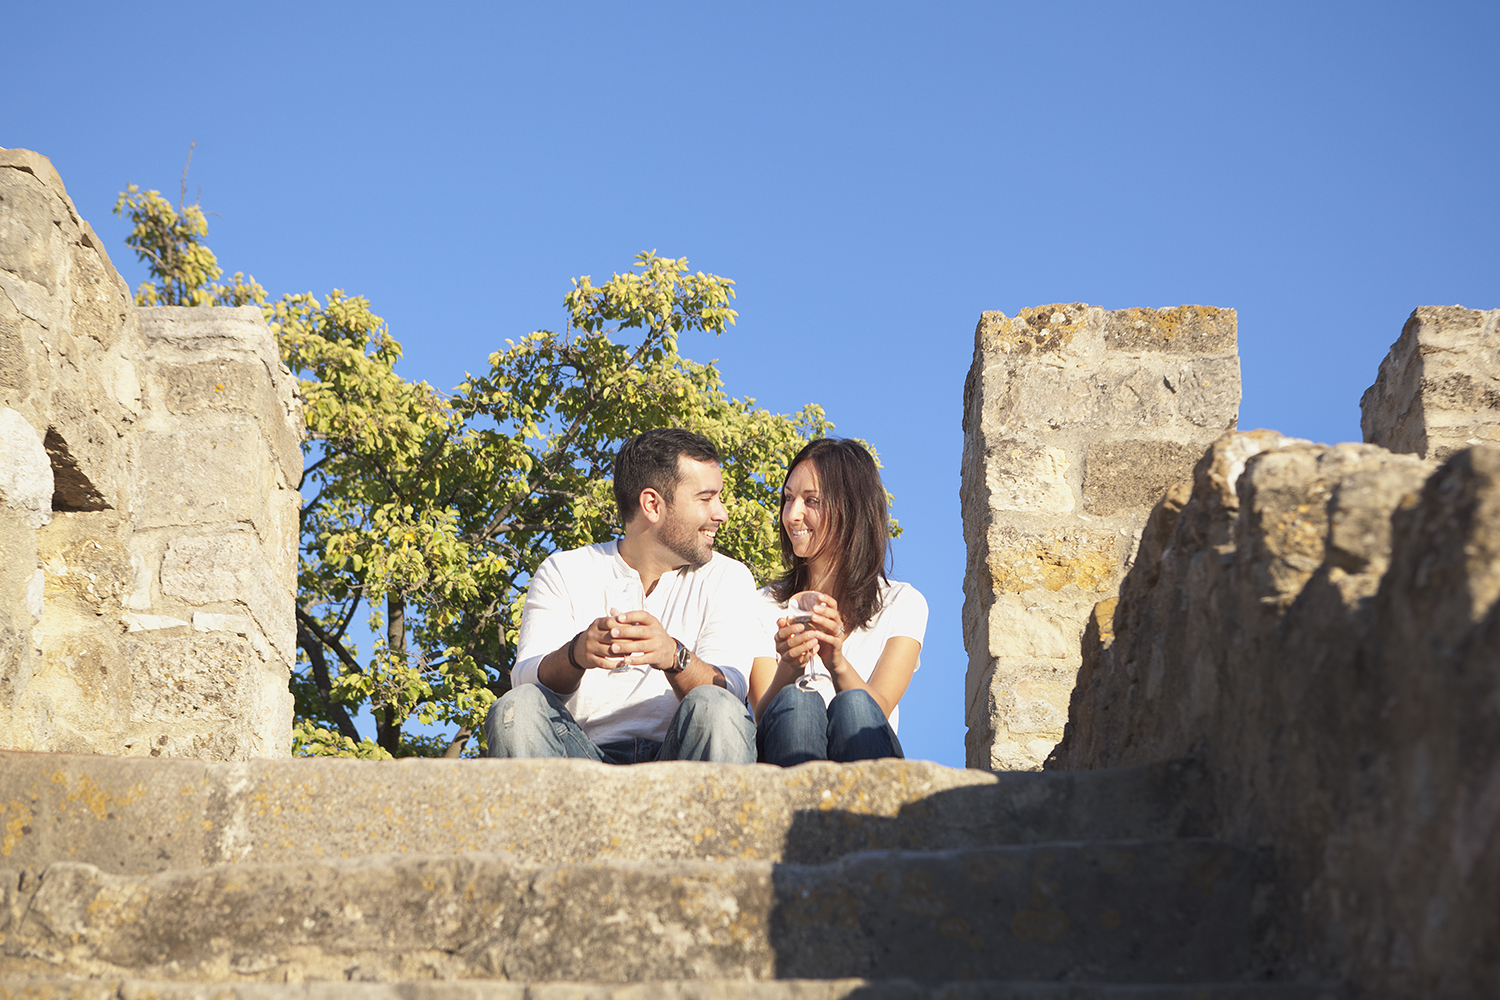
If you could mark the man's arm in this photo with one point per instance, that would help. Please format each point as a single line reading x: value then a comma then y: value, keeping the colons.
x: 549, y: 626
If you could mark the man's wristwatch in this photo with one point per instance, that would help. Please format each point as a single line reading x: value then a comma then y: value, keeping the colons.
x: 683, y: 656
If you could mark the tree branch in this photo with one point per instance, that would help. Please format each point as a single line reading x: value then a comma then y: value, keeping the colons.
x: 310, y: 623
x: 321, y: 681
x: 460, y: 738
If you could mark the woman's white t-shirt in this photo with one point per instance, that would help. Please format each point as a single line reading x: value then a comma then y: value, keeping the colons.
x: 903, y: 611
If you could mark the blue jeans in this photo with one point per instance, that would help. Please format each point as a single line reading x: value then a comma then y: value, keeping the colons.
x: 709, y: 724
x: 799, y: 727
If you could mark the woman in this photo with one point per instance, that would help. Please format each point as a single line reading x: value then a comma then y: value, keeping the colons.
x: 865, y: 631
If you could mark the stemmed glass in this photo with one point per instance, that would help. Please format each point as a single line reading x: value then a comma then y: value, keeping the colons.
x: 624, y: 594
x: 799, y: 611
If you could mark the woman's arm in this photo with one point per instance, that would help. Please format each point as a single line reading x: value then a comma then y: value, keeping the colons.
x: 768, y: 675
x: 892, y: 673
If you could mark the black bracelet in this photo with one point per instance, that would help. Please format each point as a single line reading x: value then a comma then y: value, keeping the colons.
x: 571, y: 643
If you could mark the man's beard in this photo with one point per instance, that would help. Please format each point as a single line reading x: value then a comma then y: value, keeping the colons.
x: 683, y: 541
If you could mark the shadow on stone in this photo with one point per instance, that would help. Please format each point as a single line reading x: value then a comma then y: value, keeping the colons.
x: 1103, y: 878
x: 72, y: 490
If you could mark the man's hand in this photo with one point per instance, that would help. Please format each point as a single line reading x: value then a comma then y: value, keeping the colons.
x: 591, y: 647
x: 589, y: 650
x: 637, y: 638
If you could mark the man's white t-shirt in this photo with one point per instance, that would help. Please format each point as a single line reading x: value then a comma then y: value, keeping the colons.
x: 903, y: 611
x: 710, y: 610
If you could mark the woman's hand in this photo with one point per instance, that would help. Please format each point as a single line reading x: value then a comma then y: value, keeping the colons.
x: 795, y: 644
x: 828, y: 632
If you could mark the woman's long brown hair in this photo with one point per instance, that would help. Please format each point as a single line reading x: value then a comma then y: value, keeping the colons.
x: 854, y: 507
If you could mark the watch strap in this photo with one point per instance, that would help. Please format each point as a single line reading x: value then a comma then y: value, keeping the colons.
x: 683, y: 656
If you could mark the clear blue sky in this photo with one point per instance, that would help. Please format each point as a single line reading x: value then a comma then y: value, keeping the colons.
x: 872, y: 175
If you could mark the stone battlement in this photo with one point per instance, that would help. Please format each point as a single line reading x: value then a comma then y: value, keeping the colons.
x: 1075, y: 421
x: 149, y: 465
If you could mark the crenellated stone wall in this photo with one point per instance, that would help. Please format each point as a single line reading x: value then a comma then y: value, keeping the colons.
x: 1319, y: 627
x: 1075, y: 421
x: 149, y: 460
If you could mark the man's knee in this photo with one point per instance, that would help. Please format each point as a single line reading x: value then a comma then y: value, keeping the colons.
x: 711, y: 724
x: 516, y: 719
x: 714, y: 705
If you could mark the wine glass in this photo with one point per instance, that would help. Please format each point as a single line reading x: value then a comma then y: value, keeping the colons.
x: 799, y: 612
x: 622, y: 594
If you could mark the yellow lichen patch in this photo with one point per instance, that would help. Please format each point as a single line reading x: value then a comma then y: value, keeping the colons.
x: 1104, y: 620
x: 15, y: 825
x: 1145, y: 328
x: 1040, y: 925
x: 96, y: 799
x: 958, y: 929
x: 1033, y: 330
x: 1110, y: 920
x: 1160, y: 324
x: 1089, y: 565
x: 918, y: 898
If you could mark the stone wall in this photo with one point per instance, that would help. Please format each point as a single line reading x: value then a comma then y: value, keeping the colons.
x: 148, y: 508
x: 1320, y: 627
x: 1075, y: 421
x: 1439, y: 388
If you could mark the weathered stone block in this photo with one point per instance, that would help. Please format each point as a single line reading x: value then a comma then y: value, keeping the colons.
x: 1209, y: 393
x: 189, y: 680
x: 190, y: 428
x: 210, y: 569
x: 25, y: 472
x: 1129, y: 475
x: 224, y: 359
x: 182, y: 475
x: 108, y: 811
x: 1144, y: 911
x: 1071, y: 557
x: 1029, y: 479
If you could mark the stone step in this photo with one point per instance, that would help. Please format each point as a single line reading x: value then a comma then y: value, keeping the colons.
x: 141, y: 815
x: 691, y: 989
x: 1129, y: 911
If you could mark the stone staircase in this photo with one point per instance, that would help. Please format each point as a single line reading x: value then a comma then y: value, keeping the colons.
x: 135, y: 878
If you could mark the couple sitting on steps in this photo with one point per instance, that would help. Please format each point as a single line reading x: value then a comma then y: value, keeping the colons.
x: 647, y: 648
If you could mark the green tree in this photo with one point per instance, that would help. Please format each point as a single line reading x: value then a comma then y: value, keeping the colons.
x: 430, y: 511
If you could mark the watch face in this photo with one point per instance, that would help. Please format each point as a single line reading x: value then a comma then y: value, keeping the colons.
x: 683, y: 654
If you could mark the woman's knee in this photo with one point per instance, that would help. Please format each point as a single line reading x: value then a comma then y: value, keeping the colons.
x: 793, y: 700
x: 857, y: 707
x: 858, y: 728
x: 794, y: 728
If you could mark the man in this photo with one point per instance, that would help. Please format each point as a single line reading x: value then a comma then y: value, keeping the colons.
x: 663, y: 678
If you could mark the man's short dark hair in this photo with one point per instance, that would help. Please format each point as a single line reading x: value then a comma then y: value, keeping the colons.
x: 649, y: 461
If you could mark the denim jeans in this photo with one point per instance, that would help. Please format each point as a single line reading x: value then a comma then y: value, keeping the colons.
x: 532, y: 721
x: 799, y: 727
